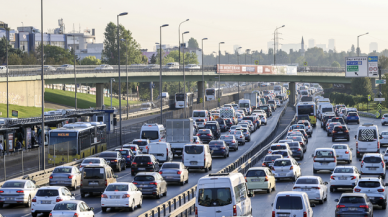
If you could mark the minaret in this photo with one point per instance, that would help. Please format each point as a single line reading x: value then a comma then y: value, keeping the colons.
x: 302, y: 47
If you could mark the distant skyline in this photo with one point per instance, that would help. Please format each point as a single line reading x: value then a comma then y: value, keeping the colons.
x: 248, y: 23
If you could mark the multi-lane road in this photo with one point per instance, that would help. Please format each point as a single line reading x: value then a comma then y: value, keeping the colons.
x: 173, y: 190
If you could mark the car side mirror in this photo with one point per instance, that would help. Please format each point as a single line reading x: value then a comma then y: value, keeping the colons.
x: 336, y: 200
x: 73, y: 195
x: 312, y: 205
x: 355, y: 136
x: 337, y: 156
x: 115, y: 176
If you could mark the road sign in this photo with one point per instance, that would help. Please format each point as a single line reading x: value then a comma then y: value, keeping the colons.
x: 288, y: 92
x: 15, y: 113
x: 383, y: 81
x: 305, y: 63
x: 373, y: 70
x: 379, y: 99
x: 356, y: 66
x: 369, y: 97
x: 256, y: 62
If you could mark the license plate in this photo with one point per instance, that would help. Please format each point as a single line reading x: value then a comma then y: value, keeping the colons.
x: 283, y: 174
x: 305, y: 189
x: 112, y: 161
x: 324, y: 163
x: 60, y: 182
x: 372, y: 168
x: 178, y: 150
x: 255, y: 180
x: 339, y: 156
x: 214, y: 149
x: 283, y: 215
x: 193, y: 162
x: 11, y: 198
x: 45, y: 202
x: 371, y: 198
x: 143, y: 186
x: 93, y: 183
x: 362, y: 149
x: 352, y: 209
x: 160, y: 155
x: 140, y: 168
x: 342, y: 178
x: 169, y: 177
x: 114, y: 197
x: 340, y: 132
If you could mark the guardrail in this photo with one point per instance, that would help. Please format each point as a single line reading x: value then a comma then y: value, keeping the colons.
x: 244, y: 160
x: 367, y: 114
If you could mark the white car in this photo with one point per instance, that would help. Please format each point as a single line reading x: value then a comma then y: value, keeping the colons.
x: 324, y: 159
x: 309, y: 128
x: 103, y: 67
x: 374, y: 188
x: 314, y: 186
x: 92, y: 161
x: 72, y: 208
x: 384, y: 119
x: 344, y: 177
x: 384, y: 138
x: 17, y: 192
x: 386, y: 157
x: 122, y: 195
x: 135, y: 148
x: 278, y: 146
x: 192, y: 66
x: 373, y: 164
x: 47, y: 197
x: 286, y: 168
x: 263, y: 119
x: 344, y: 153
x: 3, y: 69
x: 65, y: 67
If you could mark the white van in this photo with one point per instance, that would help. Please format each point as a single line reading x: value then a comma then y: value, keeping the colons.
x: 146, y: 106
x: 200, y: 114
x: 173, y: 65
x: 153, y: 132
x: 245, y: 103
x: 367, y: 139
x: 324, y: 159
x: 161, y: 151
x: 324, y: 107
x: 222, y: 194
x: 292, y: 203
x: 197, y: 156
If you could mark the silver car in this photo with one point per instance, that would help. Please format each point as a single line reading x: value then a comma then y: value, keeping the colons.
x: 17, y: 192
x: 246, y: 133
x: 231, y: 141
x: 175, y: 172
x: 238, y: 134
x: 98, y: 161
x: 68, y: 176
x: 151, y: 183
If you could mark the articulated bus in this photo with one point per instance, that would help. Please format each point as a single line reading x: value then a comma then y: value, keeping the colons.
x: 180, y: 100
x: 307, y: 111
x: 75, y: 141
x: 213, y: 94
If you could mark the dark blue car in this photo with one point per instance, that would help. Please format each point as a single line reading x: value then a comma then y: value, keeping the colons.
x: 219, y: 148
x: 352, y: 117
x: 127, y: 154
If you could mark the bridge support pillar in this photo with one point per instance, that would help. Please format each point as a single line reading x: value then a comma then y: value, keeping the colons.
x: 99, y: 95
x: 200, y: 91
x: 292, y: 96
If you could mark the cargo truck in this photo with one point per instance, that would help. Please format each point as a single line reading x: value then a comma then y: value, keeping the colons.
x: 179, y: 132
x: 253, y: 98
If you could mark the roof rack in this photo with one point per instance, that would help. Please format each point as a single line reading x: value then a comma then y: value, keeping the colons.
x: 219, y: 174
x: 367, y: 124
x: 153, y: 124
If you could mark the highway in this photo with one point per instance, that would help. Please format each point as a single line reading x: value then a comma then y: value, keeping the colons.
x: 261, y: 202
x: 173, y: 190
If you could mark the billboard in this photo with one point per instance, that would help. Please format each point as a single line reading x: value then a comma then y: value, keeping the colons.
x: 256, y: 69
x: 356, y: 66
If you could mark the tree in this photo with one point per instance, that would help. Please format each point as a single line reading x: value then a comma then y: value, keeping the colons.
x: 361, y: 86
x: 3, y: 50
x: 335, y: 64
x: 352, y: 49
x: 29, y: 59
x: 383, y: 62
x: 54, y: 55
x: 90, y: 60
x: 153, y: 59
x: 14, y: 59
x: 193, y: 44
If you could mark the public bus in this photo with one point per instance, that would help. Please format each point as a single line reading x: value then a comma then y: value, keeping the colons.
x: 307, y: 111
x: 75, y: 141
x: 213, y: 93
x: 180, y: 102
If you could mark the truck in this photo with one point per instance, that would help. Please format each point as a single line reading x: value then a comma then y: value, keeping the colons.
x: 253, y: 98
x: 179, y: 132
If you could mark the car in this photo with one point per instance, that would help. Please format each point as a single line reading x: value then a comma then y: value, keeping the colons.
x: 239, y: 135
x: 201, y: 123
x: 255, y: 120
x: 195, y: 128
x: 338, y: 119
x: 72, y: 208
x: 374, y: 188
x: 325, y: 117
x: 174, y: 172
x: 192, y: 66
x: 314, y: 186
x: 17, y: 191
x: 103, y: 67
x: 98, y: 161
x: 367, y: 139
x: 297, y: 150
x: 246, y: 133
x: 384, y: 119
x: 231, y: 141
x: 344, y: 177
x: 151, y: 183
x: 384, y: 138
x: 309, y: 128
x: 144, y: 162
x: 68, y: 176
x: 239, y: 116
x: 386, y: 157
x: 260, y: 178
x: 197, y: 156
x: 286, y: 153
x: 47, y: 197
x: 337, y: 108
x: 286, y: 168
x: 352, y: 117
x: 205, y: 135
x: 354, y: 204
x: 269, y: 159
x: 127, y: 154
x: 47, y: 68
x: 197, y: 140
x: 340, y: 132
x: 65, y: 67
x: 344, y: 153
x: 135, y: 148
x: 373, y: 164
x: 299, y: 139
x: 3, y: 69
x: 331, y: 127
x: 324, y: 159
x: 247, y: 123
x: 121, y: 195
x: 219, y: 147
x: 222, y: 124
x: 278, y: 146
x: 141, y: 143
x: 296, y: 126
x: 341, y: 112
x: 263, y: 119
x: 292, y: 204
x: 95, y: 178
x: 115, y: 160
x: 161, y: 150
x: 229, y: 122
x: 214, y: 127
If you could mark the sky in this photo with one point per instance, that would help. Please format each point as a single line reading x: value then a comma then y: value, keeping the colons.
x: 247, y: 23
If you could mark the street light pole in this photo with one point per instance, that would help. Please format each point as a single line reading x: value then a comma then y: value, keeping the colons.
x: 203, y: 79
x: 179, y: 47
x: 358, y: 47
x: 160, y: 75
x: 6, y: 34
x: 184, y: 76
x: 111, y: 92
x: 274, y: 43
x: 118, y: 49
x: 219, y: 76
x: 75, y: 75
x: 42, y: 86
x: 126, y: 68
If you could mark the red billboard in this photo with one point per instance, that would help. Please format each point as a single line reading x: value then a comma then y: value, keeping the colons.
x: 253, y: 69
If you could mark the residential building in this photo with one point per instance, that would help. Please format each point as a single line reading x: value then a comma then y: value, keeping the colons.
x: 331, y: 45
x: 311, y: 43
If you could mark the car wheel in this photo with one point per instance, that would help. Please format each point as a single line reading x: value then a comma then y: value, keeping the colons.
x: 75, y: 186
x: 206, y: 169
x: 332, y: 139
x: 33, y: 214
x: 159, y: 195
x: 347, y: 139
x: 83, y: 195
x: 225, y: 155
x: 28, y: 204
x: 125, y: 166
x: 321, y: 202
x: 237, y: 148
x: 332, y: 189
x: 383, y: 176
x: 315, y: 171
x: 165, y: 193
x: 119, y: 168
x: 1, y: 206
x: 294, y: 178
x: 302, y: 157
x: 274, y: 188
x: 211, y: 166
x: 132, y: 173
x: 103, y: 209
x: 132, y: 207
x: 182, y: 182
x: 349, y: 161
x: 384, y: 206
x: 140, y: 203
x: 269, y: 190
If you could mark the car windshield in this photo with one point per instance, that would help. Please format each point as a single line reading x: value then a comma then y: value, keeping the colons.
x: 214, y: 197
x: 226, y: 137
x: 108, y: 154
x: 324, y: 154
x: 62, y: 170
x: 369, y: 184
x: 199, y: 114
x: 343, y: 170
x: 211, y: 126
x: 295, y: 138
x: 13, y: 185
x: 256, y: 173
x: 47, y: 193
x: 352, y: 114
x: 123, y: 152
x: 283, y: 152
x: 307, y: 181
x: 282, y: 163
x: 117, y: 188
x: 139, y: 159
x: 152, y: 135
x: 193, y: 149
x: 216, y: 143
x: 93, y: 173
x: 91, y: 161
x: 66, y: 206
x: 352, y: 199
x: 271, y: 158
x: 278, y: 147
x: 144, y: 178
x: 372, y: 160
x: 140, y: 143
x: 204, y: 132
x: 170, y: 166
x: 293, y: 144
x: 384, y: 133
x: 289, y: 202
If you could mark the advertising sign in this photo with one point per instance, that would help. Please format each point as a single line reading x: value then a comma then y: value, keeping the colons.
x: 256, y: 69
x: 28, y: 140
x: 10, y: 141
x: 356, y: 66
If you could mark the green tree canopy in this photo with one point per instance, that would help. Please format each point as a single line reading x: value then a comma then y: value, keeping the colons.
x: 90, y: 60
x: 54, y: 55
x: 361, y: 86
x: 193, y: 44
x: 335, y: 64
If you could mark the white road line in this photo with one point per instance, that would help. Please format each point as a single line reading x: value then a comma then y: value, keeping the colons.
x: 26, y: 215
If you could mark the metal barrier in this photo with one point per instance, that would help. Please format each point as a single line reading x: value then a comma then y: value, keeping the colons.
x: 367, y: 114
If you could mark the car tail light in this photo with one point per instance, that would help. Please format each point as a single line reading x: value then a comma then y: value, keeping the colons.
x: 378, y: 145
x: 245, y: 179
x: 291, y: 167
x: 208, y: 134
x: 296, y: 187
x: 75, y: 215
x: 50, y: 214
x: 362, y: 164
x: 149, y: 163
x: 198, y: 134
x: 357, y: 147
x: 314, y: 159
x: 33, y: 199
x: 266, y: 179
x: 234, y: 210
x: 273, y: 214
x: 154, y: 183
x: 128, y: 156
x: 80, y: 166
x: 340, y: 206
x: 273, y: 168
x: 106, y: 183
x: 160, y: 172
x: 357, y: 190
x: 179, y: 172
x: 346, y: 131
x: 382, y: 164
x: 299, y: 149
x: 51, y: 177
x: 70, y: 176
x: 167, y: 152
x: 364, y: 206
x: 381, y: 190
x: 346, y: 152
x: 316, y: 187
x: 134, y: 163
x: 196, y: 211
x: 333, y: 131
x: 335, y: 159
x: 135, y: 183
x: 104, y: 196
x: 304, y: 214
x: 233, y: 141
x: 126, y: 196
x: 20, y: 192
x: 240, y: 136
x: 263, y: 164
x: 58, y: 199
x: 353, y: 178
x: 332, y: 177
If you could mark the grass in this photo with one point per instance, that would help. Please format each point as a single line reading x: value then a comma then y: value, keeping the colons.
x: 24, y: 111
x: 83, y: 100
x: 372, y: 108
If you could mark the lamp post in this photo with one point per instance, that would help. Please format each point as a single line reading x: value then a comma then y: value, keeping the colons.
x: 126, y: 68
x: 203, y: 79
x: 179, y: 47
x: 219, y: 76
x: 75, y: 75
x: 246, y: 51
x: 118, y: 49
x: 358, y: 47
x: 238, y: 55
x: 111, y: 92
x: 274, y: 43
x: 160, y: 75
x: 6, y: 48
x: 184, y: 76
x: 42, y: 86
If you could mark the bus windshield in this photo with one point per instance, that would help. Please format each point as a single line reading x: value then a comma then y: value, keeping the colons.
x: 244, y: 105
x: 57, y: 138
x: 179, y: 97
x: 61, y: 142
x: 210, y: 92
x: 151, y: 135
x: 305, y: 110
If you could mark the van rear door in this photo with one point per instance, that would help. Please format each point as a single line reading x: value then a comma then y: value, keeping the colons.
x: 159, y: 151
x: 194, y: 156
x: 289, y: 206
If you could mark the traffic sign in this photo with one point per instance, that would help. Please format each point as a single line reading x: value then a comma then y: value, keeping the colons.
x: 383, y: 81
x: 305, y: 63
x: 256, y: 62
x: 369, y: 97
x: 373, y: 70
x: 288, y: 92
x: 379, y: 100
x: 356, y: 66
x: 15, y: 113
